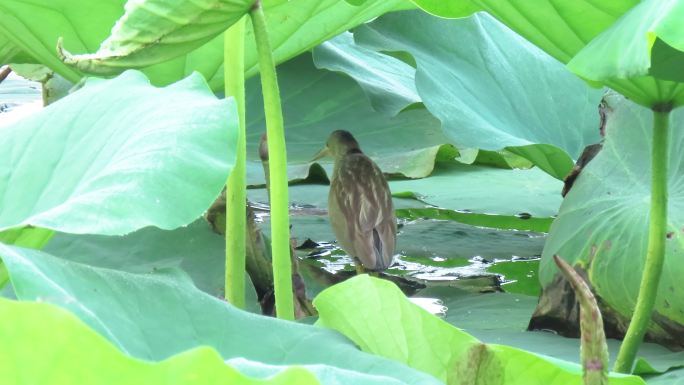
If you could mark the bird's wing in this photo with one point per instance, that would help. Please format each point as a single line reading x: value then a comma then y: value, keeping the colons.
x: 375, y: 200
x: 363, y: 193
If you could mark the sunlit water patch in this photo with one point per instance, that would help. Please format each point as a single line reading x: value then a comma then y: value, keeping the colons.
x: 18, y: 98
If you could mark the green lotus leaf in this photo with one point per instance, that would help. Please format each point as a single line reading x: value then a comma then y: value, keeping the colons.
x: 383, y: 321
x: 602, y: 225
x: 502, y: 91
x: 388, y: 82
x: 47, y: 345
x: 153, y: 31
x: 647, y: 40
x: 116, y: 156
x: 562, y: 29
x: 407, y: 144
x: 9, y: 52
x: 28, y: 236
x: 324, y: 373
x: 34, y: 26
x: 154, y: 316
x: 298, y: 26
x: 461, y: 187
x: 195, y: 248
x: 503, y: 318
x: 449, y: 8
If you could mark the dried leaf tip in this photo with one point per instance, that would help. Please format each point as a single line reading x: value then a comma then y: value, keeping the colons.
x: 593, y: 347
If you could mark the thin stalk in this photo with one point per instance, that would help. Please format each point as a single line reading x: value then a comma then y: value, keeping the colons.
x: 236, y: 195
x: 4, y: 72
x: 655, y: 254
x: 280, y: 223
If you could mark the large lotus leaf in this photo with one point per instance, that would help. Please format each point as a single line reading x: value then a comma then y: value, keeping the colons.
x: 325, y: 374
x: 503, y: 318
x: 33, y: 237
x: 381, y: 320
x: 9, y: 52
x: 649, y: 39
x: 492, y: 89
x: 563, y: 28
x: 389, y: 82
x: 116, y: 156
x: 47, y: 345
x: 35, y: 25
x: 196, y: 249
x: 448, y: 8
x: 602, y: 225
x: 154, y: 316
x: 297, y: 26
x: 27, y: 236
x: 43, y: 344
x: 509, y: 222
x: 675, y: 377
x: 559, y: 28
x: 463, y: 187
x: 317, y: 102
x: 153, y: 31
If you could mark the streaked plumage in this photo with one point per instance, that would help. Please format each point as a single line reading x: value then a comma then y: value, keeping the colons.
x: 360, y: 204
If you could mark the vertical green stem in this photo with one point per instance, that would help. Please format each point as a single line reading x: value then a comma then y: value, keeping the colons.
x: 236, y: 196
x: 655, y: 254
x: 280, y: 224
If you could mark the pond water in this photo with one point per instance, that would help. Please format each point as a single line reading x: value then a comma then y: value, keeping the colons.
x: 431, y: 253
x: 18, y: 97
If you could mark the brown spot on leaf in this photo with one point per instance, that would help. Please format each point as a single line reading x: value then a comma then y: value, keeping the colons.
x: 481, y: 365
x: 669, y: 235
x: 607, y: 244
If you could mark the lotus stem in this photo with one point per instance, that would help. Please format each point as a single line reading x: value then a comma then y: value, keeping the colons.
x: 236, y: 194
x: 655, y: 254
x: 280, y: 224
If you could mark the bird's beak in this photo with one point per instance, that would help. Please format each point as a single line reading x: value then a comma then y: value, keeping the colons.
x: 321, y: 154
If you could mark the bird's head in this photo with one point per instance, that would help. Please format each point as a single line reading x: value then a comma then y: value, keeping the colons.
x: 339, y: 144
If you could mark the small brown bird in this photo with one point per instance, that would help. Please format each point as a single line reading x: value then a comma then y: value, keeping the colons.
x: 360, y: 204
